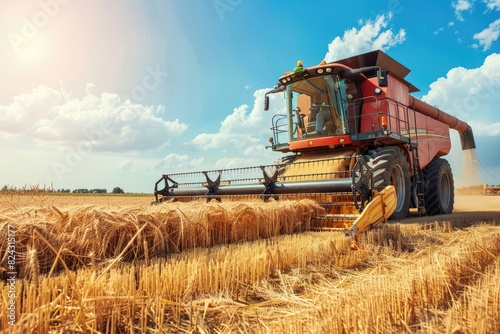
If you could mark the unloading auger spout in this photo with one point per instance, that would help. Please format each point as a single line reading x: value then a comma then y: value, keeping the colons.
x: 465, y: 131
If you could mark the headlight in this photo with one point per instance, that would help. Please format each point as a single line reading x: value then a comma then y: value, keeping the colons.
x: 329, y: 70
x: 320, y: 71
x: 378, y: 90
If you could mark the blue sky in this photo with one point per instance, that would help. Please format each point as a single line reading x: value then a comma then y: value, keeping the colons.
x: 101, y: 94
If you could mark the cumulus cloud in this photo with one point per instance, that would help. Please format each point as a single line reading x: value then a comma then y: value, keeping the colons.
x: 243, y: 127
x: 106, y: 122
x: 492, y: 4
x: 471, y: 94
x: 26, y: 110
x: 488, y: 35
x: 174, y: 163
x: 235, y: 162
x: 461, y: 6
x: 371, y: 36
x: 171, y: 163
x: 242, y: 135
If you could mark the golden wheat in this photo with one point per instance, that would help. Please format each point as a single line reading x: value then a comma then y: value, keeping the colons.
x: 88, y: 235
x: 437, y: 277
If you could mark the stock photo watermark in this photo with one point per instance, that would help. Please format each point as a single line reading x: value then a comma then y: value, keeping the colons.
x: 484, y: 92
x: 150, y: 82
x: 32, y: 25
x: 393, y: 6
x: 10, y: 304
x: 223, y: 6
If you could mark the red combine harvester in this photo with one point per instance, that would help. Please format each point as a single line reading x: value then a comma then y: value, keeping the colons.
x: 357, y: 141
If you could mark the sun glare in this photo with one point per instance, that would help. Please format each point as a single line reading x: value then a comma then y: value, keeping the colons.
x: 33, y: 51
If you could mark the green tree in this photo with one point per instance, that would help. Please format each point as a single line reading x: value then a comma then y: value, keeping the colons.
x: 118, y: 190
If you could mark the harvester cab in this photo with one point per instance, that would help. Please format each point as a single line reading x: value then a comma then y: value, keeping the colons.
x: 357, y: 142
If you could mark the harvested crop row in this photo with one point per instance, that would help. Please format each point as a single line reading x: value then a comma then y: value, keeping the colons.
x: 86, y: 235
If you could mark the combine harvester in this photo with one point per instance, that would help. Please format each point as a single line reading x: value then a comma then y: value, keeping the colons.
x: 357, y: 141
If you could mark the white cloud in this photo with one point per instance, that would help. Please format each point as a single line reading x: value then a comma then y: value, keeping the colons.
x: 252, y: 151
x: 26, y: 110
x: 243, y: 127
x: 178, y: 158
x: 371, y: 36
x: 242, y: 136
x: 174, y: 163
x: 439, y: 30
x: 492, y: 4
x: 488, y: 35
x: 105, y: 122
x: 234, y: 162
x: 490, y: 130
x: 171, y: 163
x: 196, y: 162
x: 461, y: 6
x: 250, y: 86
x: 471, y: 95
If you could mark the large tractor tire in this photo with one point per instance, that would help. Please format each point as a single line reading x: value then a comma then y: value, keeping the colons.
x: 439, y: 189
x: 390, y: 167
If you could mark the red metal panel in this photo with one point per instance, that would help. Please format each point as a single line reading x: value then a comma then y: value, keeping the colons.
x: 369, y: 120
x: 319, y: 142
x: 397, y: 90
x: 433, y: 139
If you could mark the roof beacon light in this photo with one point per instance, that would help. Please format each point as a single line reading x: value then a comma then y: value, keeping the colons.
x: 299, y: 68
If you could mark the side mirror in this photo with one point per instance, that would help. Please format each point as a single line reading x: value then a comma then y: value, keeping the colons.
x: 382, y: 78
x: 266, y: 103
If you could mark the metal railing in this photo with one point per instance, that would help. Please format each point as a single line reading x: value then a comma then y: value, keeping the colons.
x: 396, y: 113
x: 279, y: 126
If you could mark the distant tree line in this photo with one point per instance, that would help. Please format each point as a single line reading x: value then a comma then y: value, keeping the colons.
x: 90, y: 191
x: 37, y: 189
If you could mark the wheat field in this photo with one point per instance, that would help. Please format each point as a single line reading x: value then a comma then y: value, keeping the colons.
x: 115, y: 264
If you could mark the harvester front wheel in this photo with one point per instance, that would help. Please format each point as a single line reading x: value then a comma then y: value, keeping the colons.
x: 390, y: 167
x: 439, y: 190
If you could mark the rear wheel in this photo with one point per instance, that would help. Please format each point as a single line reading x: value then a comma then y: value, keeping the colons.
x: 390, y: 167
x: 439, y: 190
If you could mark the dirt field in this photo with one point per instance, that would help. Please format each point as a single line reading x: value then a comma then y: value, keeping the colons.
x: 471, y: 203
x: 435, y: 274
